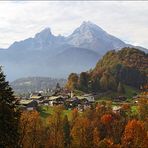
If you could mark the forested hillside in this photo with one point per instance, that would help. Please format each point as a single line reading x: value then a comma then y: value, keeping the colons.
x: 128, y: 66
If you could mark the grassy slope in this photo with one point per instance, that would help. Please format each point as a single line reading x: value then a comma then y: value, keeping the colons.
x: 46, y: 111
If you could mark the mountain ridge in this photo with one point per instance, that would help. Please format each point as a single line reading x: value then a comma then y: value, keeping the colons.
x: 86, y: 26
x: 39, y: 53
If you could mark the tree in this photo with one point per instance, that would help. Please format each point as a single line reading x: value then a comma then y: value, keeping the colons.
x: 128, y: 75
x: 56, y: 135
x: 108, y: 82
x: 143, y: 108
x: 135, y: 135
x: 72, y: 81
x: 96, y: 137
x: 106, y: 143
x: 83, y: 81
x: 81, y: 133
x: 107, y: 119
x: 66, y: 130
x: 31, y: 129
x: 95, y: 84
x: 58, y: 87
x: 74, y: 115
x: 120, y: 88
x: 9, y: 115
x: 112, y: 83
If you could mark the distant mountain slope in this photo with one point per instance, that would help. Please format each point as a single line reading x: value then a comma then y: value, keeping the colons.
x: 48, y: 55
x: 74, y: 59
x: 128, y: 66
x: 31, y: 84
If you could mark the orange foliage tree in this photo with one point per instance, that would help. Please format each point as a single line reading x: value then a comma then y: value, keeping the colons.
x: 96, y: 137
x: 55, y: 129
x: 31, y: 129
x: 81, y: 133
x: 135, y: 135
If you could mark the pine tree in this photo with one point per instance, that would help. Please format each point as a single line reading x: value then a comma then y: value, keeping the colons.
x: 58, y: 86
x: 9, y: 115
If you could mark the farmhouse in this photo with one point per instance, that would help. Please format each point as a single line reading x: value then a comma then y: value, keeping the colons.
x: 28, y: 104
x: 36, y: 96
x: 89, y: 97
x: 116, y: 109
x: 72, y: 102
x: 56, y: 100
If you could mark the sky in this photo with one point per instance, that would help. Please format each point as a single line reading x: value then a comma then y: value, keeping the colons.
x: 127, y: 20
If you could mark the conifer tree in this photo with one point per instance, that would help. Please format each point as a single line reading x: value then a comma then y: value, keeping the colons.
x: 9, y: 115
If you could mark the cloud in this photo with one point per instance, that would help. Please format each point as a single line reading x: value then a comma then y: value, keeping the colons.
x: 22, y: 19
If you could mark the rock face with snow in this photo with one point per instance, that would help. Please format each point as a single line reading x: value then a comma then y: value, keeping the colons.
x: 56, y: 56
x: 91, y: 36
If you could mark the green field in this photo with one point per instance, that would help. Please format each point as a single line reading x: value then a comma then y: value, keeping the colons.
x: 46, y: 111
x: 134, y: 109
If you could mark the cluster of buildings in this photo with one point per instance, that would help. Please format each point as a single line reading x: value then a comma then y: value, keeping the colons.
x: 67, y: 99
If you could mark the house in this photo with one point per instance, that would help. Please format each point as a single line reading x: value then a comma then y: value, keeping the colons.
x: 56, y: 100
x: 45, y: 102
x: 32, y: 105
x: 72, y: 102
x: 80, y: 108
x: 84, y: 101
x: 28, y: 104
x: 116, y: 109
x: 83, y: 106
x: 37, y: 96
x: 89, y: 97
x: 59, y: 101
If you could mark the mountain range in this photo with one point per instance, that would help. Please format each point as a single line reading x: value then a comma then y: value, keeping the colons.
x: 56, y: 56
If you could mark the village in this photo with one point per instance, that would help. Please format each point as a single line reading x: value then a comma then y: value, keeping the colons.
x: 59, y: 96
x: 66, y: 98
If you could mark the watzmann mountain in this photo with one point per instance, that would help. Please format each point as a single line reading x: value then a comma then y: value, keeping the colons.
x: 56, y: 56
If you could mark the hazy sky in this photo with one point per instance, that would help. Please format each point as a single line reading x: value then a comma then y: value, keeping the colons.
x: 127, y: 20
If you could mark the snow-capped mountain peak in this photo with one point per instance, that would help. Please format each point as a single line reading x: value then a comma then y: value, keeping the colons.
x: 89, y: 25
x: 93, y: 37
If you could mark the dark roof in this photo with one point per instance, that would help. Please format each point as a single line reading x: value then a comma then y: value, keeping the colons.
x: 32, y: 104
